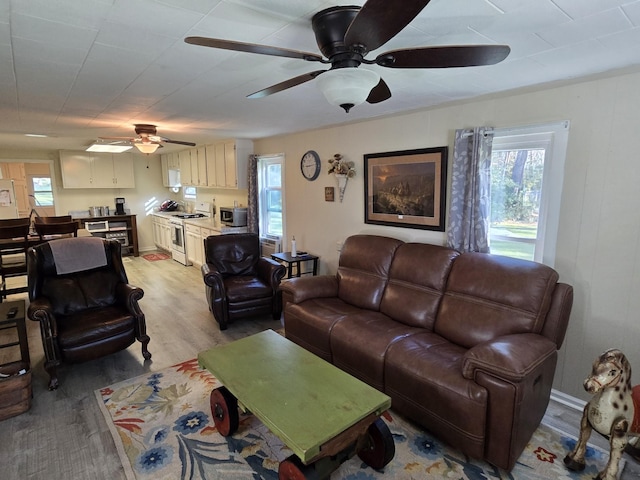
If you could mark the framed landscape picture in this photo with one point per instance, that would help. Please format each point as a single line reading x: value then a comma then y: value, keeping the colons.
x: 406, y: 188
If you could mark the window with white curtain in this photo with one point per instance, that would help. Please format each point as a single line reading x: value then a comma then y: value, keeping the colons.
x: 270, y: 201
x: 527, y: 171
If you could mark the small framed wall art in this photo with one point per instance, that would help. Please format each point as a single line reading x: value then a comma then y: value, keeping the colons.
x: 406, y: 188
x: 329, y: 194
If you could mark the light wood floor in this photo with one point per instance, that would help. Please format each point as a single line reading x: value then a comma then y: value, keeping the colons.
x: 64, y: 435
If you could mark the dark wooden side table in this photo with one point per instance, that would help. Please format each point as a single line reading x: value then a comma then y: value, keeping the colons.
x: 290, y: 262
x: 15, y: 378
x: 17, y: 322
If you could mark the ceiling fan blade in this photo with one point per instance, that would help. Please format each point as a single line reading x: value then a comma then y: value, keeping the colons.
x: 292, y: 82
x: 179, y: 142
x: 444, y: 56
x: 378, y: 21
x: 379, y: 93
x: 252, y: 48
x: 115, y: 138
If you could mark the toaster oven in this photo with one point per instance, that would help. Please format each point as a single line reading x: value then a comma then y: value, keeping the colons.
x: 233, y: 216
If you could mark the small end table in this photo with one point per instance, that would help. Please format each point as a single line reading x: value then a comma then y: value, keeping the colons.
x: 290, y: 261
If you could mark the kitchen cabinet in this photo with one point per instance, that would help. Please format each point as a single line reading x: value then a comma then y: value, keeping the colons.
x: 170, y: 170
x: 194, y: 245
x: 227, y: 163
x: 162, y: 233
x: 185, y: 167
x: 96, y: 170
x: 201, y: 165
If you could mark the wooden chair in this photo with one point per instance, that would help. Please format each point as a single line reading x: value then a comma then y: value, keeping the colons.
x: 57, y: 229
x: 14, y: 243
x: 58, y: 219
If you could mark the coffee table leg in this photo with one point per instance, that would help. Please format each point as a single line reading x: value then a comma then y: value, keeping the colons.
x: 224, y: 407
x: 378, y: 449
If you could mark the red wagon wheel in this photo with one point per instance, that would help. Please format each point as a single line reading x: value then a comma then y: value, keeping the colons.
x: 292, y: 468
x: 224, y: 407
x: 379, y: 448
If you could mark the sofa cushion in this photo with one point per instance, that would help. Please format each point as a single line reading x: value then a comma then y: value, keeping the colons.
x: 310, y: 323
x: 423, y: 376
x: 417, y: 280
x: 359, y: 343
x: 364, y: 269
x: 488, y: 296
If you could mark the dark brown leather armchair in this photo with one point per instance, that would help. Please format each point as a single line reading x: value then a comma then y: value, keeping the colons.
x: 239, y: 282
x: 79, y: 292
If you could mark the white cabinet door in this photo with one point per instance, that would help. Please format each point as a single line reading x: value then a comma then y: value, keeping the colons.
x: 201, y: 156
x: 193, y: 241
x: 220, y: 168
x: 230, y: 165
x: 123, y: 170
x: 166, y: 235
x: 185, y: 167
x: 76, y: 169
x: 210, y: 152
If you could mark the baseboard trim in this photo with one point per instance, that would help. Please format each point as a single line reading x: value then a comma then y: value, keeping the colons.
x: 568, y: 400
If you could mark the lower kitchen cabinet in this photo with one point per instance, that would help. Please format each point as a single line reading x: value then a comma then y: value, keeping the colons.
x: 162, y: 233
x: 194, y: 246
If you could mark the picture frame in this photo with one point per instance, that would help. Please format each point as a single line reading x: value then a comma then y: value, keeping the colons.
x: 329, y: 194
x: 406, y: 188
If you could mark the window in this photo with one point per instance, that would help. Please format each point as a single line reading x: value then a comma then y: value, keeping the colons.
x: 189, y: 193
x: 270, y: 196
x: 527, y: 169
x: 42, y: 191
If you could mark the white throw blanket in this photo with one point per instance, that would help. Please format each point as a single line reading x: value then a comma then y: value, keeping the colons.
x: 77, y: 254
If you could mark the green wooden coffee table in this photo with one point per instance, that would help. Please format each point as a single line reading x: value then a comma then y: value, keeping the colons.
x: 324, y: 415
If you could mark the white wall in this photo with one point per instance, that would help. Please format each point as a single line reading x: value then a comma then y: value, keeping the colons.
x: 598, y: 249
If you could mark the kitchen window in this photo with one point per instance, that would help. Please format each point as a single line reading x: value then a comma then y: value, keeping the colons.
x: 42, y: 191
x: 270, y: 196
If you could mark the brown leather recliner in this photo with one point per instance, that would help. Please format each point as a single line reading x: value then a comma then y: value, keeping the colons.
x: 84, y: 303
x: 239, y: 282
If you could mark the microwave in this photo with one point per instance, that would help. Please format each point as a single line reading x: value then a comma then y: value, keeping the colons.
x: 233, y: 216
x: 99, y: 226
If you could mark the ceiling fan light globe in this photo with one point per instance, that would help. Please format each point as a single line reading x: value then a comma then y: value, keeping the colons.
x: 347, y: 86
x: 147, y: 148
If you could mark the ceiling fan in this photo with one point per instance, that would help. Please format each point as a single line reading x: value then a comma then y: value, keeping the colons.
x: 147, y: 141
x: 345, y: 34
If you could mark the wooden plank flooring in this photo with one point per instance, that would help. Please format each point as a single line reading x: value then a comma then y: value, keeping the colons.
x: 64, y: 435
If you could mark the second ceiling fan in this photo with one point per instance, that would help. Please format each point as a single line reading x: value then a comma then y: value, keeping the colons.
x: 148, y: 140
x: 345, y: 34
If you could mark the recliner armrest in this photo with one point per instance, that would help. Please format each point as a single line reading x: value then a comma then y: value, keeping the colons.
x: 212, y: 277
x: 41, y: 310
x: 511, y: 357
x: 129, y: 295
x: 270, y: 271
x: 300, y: 289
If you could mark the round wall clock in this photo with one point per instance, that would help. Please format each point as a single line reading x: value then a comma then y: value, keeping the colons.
x: 310, y: 165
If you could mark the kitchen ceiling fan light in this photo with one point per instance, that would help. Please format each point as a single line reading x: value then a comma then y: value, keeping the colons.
x: 108, y: 148
x: 347, y: 87
x: 147, y: 148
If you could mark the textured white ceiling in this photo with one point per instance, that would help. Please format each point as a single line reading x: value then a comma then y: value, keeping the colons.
x: 77, y: 70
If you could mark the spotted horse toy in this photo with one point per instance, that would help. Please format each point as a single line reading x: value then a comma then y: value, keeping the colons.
x: 614, y: 411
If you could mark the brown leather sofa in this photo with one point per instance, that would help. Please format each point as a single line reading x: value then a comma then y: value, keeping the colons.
x: 464, y: 344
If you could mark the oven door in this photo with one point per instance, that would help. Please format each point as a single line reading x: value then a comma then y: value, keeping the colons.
x: 177, y: 237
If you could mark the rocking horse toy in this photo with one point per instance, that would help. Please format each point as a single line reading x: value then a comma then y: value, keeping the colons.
x: 614, y: 411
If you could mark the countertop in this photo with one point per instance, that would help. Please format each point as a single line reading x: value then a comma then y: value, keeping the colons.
x: 204, y: 222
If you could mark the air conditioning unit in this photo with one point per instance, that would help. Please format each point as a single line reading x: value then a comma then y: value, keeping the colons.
x: 269, y: 246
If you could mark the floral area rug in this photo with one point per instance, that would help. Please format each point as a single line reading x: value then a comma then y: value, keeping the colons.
x: 163, y: 429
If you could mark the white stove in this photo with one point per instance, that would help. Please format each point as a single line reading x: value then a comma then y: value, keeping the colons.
x: 178, y: 240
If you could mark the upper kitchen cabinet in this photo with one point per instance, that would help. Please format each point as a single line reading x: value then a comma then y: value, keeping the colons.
x: 227, y: 163
x: 170, y: 170
x: 193, y: 167
x: 96, y: 170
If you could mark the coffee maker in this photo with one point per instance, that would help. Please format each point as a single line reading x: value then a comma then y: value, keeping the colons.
x: 120, y: 206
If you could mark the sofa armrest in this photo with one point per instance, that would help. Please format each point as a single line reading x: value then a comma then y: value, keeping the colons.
x: 41, y: 310
x: 212, y: 277
x: 511, y: 357
x: 299, y: 289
